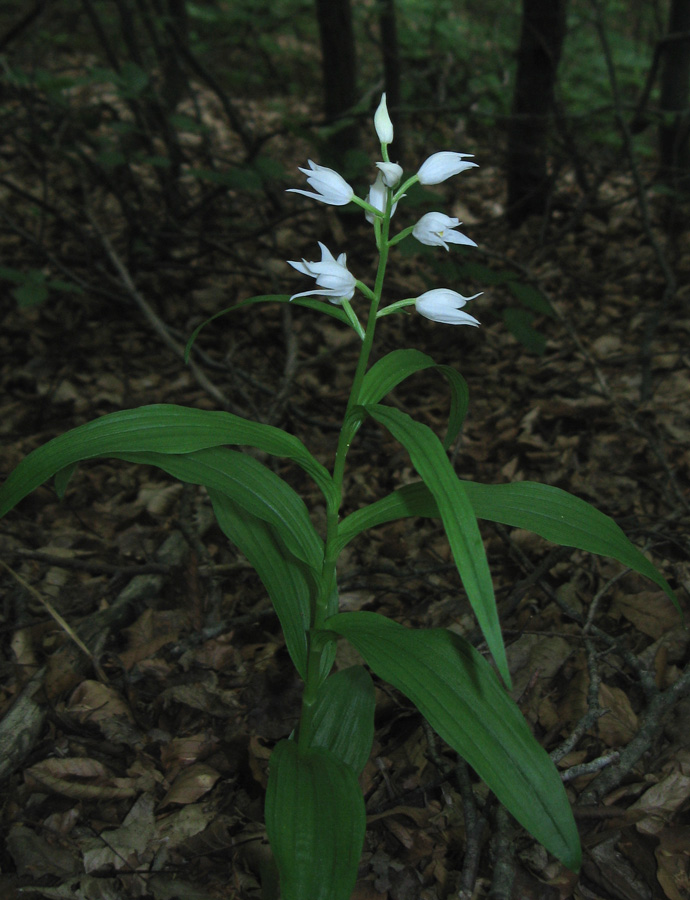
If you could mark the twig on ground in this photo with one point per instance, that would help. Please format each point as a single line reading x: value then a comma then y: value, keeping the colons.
x: 594, y: 711
x: 594, y: 765
x: 289, y: 369
x: 55, y: 615
x: 155, y: 321
x: 598, y: 597
x: 504, y: 864
x: 651, y: 723
x: 475, y: 826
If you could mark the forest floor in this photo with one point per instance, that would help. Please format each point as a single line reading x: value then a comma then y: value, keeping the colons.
x: 138, y: 768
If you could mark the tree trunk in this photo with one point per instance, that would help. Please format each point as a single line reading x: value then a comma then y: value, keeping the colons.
x: 674, y: 131
x: 541, y: 42
x: 338, y: 61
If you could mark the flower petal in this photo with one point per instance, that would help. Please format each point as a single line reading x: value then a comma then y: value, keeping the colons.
x: 443, y: 305
x: 391, y: 172
x: 440, y: 166
x: 333, y: 279
x: 331, y: 187
x: 435, y: 229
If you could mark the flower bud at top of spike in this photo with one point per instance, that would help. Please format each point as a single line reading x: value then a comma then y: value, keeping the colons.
x: 440, y: 166
x: 382, y: 122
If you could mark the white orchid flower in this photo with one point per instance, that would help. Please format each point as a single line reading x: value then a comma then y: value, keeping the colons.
x: 382, y: 122
x: 391, y: 172
x: 444, y: 305
x: 378, y: 197
x: 440, y: 166
x: 332, y: 277
x: 435, y: 229
x: 330, y: 187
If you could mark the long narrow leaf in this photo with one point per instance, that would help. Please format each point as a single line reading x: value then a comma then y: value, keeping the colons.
x: 458, y: 693
x: 430, y: 460
x: 395, y: 367
x: 312, y: 303
x: 162, y: 428
x: 343, y: 717
x: 281, y: 574
x: 250, y: 484
x: 554, y: 514
x: 315, y: 821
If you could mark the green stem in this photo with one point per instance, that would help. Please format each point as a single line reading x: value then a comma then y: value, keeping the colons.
x: 347, y: 433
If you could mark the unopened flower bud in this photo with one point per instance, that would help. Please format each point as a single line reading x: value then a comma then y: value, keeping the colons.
x: 382, y: 122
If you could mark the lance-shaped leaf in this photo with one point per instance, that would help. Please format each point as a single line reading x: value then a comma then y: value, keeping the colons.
x: 253, y: 486
x: 548, y: 511
x: 282, y: 575
x: 162, y: 428
x: 430, y: 460
x: 343, y: 717
x: 310, y: 302
x: 315, y: 821
x: 460, y: 696
x: 398, y: 365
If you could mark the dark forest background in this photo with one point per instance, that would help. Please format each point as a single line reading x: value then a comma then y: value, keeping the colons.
x: 187, y: 119
x: 145, y: 150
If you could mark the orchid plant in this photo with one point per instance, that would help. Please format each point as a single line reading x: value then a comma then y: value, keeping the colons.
x: 315, y: 812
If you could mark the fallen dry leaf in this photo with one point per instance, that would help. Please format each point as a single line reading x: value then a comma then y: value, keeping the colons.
x: 649, y: 611
x: 191, y: 784
x: 78, y: 777
x: 662, y: 801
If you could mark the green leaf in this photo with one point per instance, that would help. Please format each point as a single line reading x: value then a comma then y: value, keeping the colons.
x: 398, y: 365
x: 17, y: 276
x: 458, y: 693
x: 554, y: 514
x: 163, y: 428
x: 281, y: 574
x: 475, y: 271
x: 530, y: 297
x: 32, y: 293
x: 56, y: 284
x: 240, y: 178
x: 310, y: 302
x: 430, y: 460
x: 343, y: 717
x: 131, y: 80
x: 315, y: 821
x: 253, y: 486
x: 519, y: 323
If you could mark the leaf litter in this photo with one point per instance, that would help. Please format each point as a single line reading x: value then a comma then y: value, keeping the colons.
x: 146, y: 780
